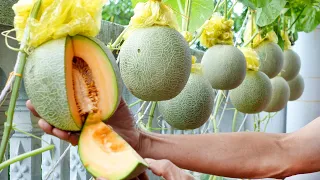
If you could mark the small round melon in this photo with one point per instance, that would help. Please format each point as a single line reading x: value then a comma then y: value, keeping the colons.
x: 271, y: 58
x: 68, y: 78
x: 254, y: 94
x: 296, y: 87
x: 224, y: 66
x: 280, y: 94
x: 155, y: 63
x: 292, y: 65
x: 192, y: 107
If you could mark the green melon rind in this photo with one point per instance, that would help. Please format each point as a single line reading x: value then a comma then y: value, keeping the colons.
x: 280, y: 94
x: 44, y: 74
x: 192, y: 107
x: 44, y: 79
x: 224, y: 66
x: 292, y: 65
x: 271, y: 58
x: 254, y: 94
x: 155, y: 63
x: 296, y: 87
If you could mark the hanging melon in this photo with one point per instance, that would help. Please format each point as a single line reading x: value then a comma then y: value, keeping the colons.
x: 296, y: 87
x: 280, y: 94
x: 193, y: 106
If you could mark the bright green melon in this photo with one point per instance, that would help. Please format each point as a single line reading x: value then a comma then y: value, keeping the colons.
x: 292, y: 65
x: 296, y: 87
x: 60, y: 75
x: 192, y: 107
x: 254, y: 94
x: 155, y: 63
x: 280, y: 94
x: 271, y: 58
x: 224, y: 66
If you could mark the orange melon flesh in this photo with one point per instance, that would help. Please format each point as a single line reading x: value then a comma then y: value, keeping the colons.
x: 97, y: 60
x: 105, y: 154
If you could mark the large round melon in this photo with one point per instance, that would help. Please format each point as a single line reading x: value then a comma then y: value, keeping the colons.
x: 224, y: 66
x: 68, y: 78
x: 296, y: 87
x: 254, y: 94
x: 292, y: 65
x: 192, y: 107
x: 280, y: 94
x: 271, y: 58
x: 155, y: 63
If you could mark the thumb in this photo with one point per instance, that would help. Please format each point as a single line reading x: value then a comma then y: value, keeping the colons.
x: 160, y: 167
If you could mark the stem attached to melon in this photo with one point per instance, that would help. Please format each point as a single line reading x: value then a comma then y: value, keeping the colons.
x: 231, y: 9
x: 234, y: 121
x: 151, y: 113
x: 21, y: 60
x: 187, y: 13
x: 226, y: 9
x: 119, y: 39
x: 135, y: 103
x: 25, y: 155
x: 215, y: 128
x: 216, y: 7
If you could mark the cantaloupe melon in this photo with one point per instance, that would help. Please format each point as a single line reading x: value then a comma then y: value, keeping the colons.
x: 68, y: 78
x: 280, y: 94
x: 105, y: 154
x: 292, y: 65
x: 224, y: 66
x: 271, y: 58
x: 254, y: 94
x: 74, y: 84
x: 192, y: 107
x: 296, y: 87
x: 155, y: 63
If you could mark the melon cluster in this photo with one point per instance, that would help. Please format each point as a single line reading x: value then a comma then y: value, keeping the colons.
x: 74, y: 84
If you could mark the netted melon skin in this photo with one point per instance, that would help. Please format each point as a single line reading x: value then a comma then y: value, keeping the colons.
x: 155, y: 63
x: 292, y: 65
x: 280, y: 94
x: 296, y: 87
x: 271, y: 58
x: 254, y: 94
x: 45, y: 84
x: 224, y: 66
x: 192, y: 107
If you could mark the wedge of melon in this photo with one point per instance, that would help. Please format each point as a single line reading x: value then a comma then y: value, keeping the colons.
x: 68, y: 78
x: 105, y: 154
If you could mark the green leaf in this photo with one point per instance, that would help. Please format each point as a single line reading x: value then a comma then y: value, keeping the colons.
x: 309, y: 20
x: 254, y: 4
x: 201, y: 10
x: 268, y: 14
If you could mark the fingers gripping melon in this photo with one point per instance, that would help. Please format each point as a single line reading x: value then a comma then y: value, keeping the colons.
x: 192, y: 107
x: 271, y: 58
x: 254, y: 94
x: 292, y: 65
x: 70, y: 77
x: 155, y: 63
x: 105, y: 154
x: 296, y: 87
x: 224, y: 66
x: 280, y: 94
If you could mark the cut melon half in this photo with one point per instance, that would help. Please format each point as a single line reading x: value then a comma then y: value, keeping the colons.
x: 105, y: 154
x: 68, y: 78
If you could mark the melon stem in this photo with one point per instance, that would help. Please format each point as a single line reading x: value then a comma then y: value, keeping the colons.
x: 151, y: 115
x: 187, y: 13
x: 135, y: 103
x: 231, y: 9
x: 119, y: 39
x: 234, y: 120
x: 25, y: 155
x: 226, y: 9
x: 215, y: 128
x: 21, y: 61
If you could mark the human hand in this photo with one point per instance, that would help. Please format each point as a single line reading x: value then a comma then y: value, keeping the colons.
x: 121, y: 121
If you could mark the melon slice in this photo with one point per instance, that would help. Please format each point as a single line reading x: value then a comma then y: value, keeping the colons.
x: 68, y: 78
x: 105, y: 154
